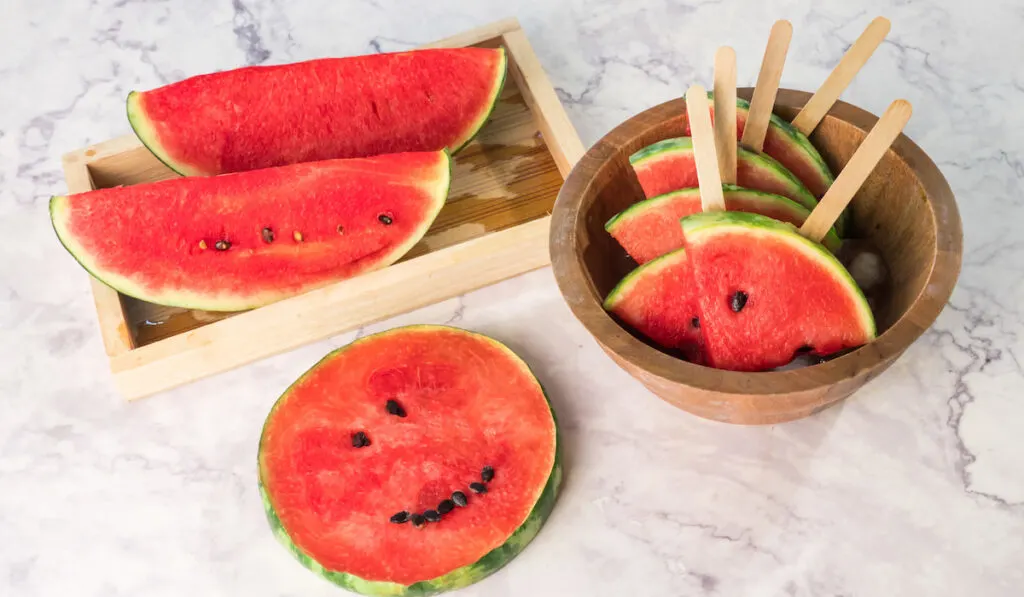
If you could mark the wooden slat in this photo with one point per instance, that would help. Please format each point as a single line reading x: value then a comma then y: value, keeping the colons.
x: 322, y: 313
x: 554, y: 123
x: 114, y: 330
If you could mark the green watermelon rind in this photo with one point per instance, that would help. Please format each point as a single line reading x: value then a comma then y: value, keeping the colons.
x: 621, y: 290
x: 147, y: 135
x: 831, y: 240
x: 794, y: 135
x: 188, y: 300
x: 696, y: 224
x: 762, y: 161
x: 490, y: 563
x: 476, y: 127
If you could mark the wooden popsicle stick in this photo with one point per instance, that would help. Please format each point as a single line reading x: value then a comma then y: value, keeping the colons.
x: 864, y: 160
x: 844, y: 72
x: 711, y: 198
x: 725, y: 113
x: 767, y: 86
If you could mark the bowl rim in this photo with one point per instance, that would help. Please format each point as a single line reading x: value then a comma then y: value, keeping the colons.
x: 586, y: 305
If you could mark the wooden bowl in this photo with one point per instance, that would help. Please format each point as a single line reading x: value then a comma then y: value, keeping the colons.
x: 906, y: 208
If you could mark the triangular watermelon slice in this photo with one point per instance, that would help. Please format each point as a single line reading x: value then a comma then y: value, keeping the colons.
x: 668, y: 165
x: 239, y: 241
x: 658, y: 300
x: 263, y: 116
x: 746, y: 294
x: 766, y: 293
x: 650, y: 228
x: 410, y: 462
x: 786, y: 145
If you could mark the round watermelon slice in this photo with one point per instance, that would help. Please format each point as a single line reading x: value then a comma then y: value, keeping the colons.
x: 650, y: 228
x: 410, y: 462
x: 263, y: 116
x: 668, y: 166
x: 240, y: 241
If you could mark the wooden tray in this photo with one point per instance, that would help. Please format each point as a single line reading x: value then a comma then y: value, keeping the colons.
x: 494, y: 226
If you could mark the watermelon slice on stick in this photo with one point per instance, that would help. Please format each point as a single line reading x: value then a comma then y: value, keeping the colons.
x: 239, y: 241
x: 263, y: 116
x: 764, y: 293
x: 410, y: 462
x: 650, y: 228
x: 668, y: 165
x: 748, y: 292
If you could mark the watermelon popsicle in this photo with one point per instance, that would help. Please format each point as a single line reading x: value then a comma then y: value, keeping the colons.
x: 748, y: 292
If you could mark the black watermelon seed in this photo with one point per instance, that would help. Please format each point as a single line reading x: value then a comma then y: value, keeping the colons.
x: 695, y: 322
x: 445, y: 507
x: 478, y: 487
x: 738, y: 301
x: 394, y: 408
x: 360, y: 440
x: 487, y: 474
x: 268, y: 235
x: 432, y: 516
x: 401, y: 517
x: 222, y: 245
x: 805, y: 348
x: 385, y: 219
x: 417, y: 520
x: 341, y: 229
x: 459, y: 499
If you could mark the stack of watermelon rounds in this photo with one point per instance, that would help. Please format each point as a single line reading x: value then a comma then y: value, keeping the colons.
x: 412, y: 461
x: 738, y: 287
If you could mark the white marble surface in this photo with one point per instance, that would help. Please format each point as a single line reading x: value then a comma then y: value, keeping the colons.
x: 915, y: 487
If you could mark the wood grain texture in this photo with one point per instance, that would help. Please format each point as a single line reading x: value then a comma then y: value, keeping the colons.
x: 110, y: 311
x: 905, y: 207
x: 725, y: 108
x: 767, y: 85
x: 856, y: 171
x: 842, y: 75
x: 493, y: 226
x: 705, y: 156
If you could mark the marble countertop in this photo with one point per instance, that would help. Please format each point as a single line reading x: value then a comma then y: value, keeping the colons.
x: 914, y: 487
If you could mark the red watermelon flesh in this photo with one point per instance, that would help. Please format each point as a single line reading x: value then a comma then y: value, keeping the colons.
x: 650, y: 228
x: 658, y: 300
x: 262, y: 116
x: 786, y: 145
x: 239, y: 241
x: 668, y: 165
x: 468, y: 402
x: 766, y: 293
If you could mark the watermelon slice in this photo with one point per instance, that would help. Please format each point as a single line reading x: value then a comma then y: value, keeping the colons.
x: 650, y: 228
x: 658, y: 300
x: 786, y: 145
x: 263, y: 116
x: 239, y: 241
x: 410, y: 462
x: 758, y: 291
x: 668, y: 165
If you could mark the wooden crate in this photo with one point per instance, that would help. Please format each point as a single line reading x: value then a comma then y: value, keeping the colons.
x: 494, y: 226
